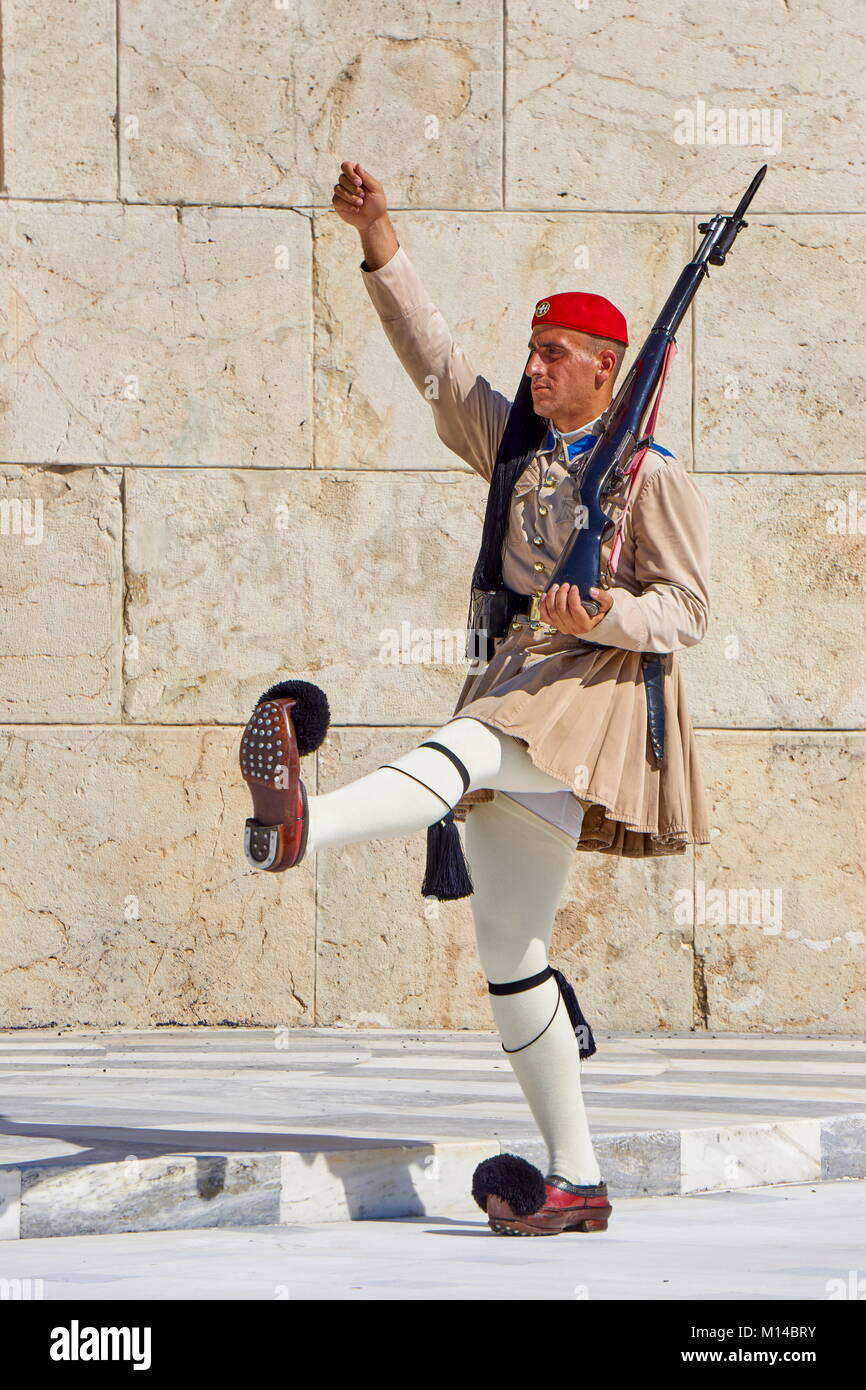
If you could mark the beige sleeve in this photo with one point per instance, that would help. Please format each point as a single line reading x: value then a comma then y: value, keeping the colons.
x: 669, y: 525
x: 468, y: 414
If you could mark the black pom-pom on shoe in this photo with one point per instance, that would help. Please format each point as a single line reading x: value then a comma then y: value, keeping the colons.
x: 311, y: 715
x: 513, y: 1180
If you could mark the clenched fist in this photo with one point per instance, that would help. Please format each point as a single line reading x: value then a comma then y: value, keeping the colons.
x: 358, y: 197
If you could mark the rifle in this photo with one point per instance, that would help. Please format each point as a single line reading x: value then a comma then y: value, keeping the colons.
x: 613, y: 456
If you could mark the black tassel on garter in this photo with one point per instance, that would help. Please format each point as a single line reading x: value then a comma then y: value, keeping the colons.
x: 583, y: 1032
x: 446, y: 875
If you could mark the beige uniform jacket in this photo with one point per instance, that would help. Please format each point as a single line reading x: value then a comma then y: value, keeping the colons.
x: 579, y: 705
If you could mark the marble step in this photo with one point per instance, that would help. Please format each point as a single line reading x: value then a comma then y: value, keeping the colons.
x: 369, y: 1178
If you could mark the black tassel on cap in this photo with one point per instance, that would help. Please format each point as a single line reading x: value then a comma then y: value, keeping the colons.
x: 446, y: 875
x: 583, y: 1032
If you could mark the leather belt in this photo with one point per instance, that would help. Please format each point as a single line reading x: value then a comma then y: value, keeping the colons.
x: 490, y: 615
x: 518, y: 603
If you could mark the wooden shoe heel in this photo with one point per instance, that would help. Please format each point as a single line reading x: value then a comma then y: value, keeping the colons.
x: 589, y: 1226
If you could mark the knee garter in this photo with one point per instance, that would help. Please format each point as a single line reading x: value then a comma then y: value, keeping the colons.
x: 516, y: 987
x: 458, y: 763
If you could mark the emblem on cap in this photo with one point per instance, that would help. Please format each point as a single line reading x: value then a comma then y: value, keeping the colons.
x: 542, y: 308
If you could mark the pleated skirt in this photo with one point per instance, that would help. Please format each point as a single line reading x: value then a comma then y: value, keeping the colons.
x: 581, y: 711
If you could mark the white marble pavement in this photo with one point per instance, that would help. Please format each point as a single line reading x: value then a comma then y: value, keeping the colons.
x: 194, y: 1127
x: 795, y: 1242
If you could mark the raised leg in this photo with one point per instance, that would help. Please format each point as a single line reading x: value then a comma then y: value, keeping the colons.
x: 417, y: 788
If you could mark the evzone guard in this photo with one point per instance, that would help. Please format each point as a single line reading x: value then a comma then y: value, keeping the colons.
x: 571, y: 731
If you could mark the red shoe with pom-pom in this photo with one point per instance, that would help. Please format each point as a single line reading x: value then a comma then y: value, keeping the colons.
x: 289, y: 720
x: 567, y: 1207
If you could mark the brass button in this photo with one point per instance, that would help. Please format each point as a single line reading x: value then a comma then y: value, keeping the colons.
x: 542, y: 510
x: 538, y: 593
x: 535, y: 624
x: 515, y: 626
x: 539, y: 565
x: 538, y: 540
x: 550, y: 480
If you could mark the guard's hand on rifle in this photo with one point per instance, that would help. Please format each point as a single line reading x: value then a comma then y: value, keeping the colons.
x: 358, y: 197
x: 561, y: 608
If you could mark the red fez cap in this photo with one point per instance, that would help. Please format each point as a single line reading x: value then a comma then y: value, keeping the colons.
x: 589, y: 313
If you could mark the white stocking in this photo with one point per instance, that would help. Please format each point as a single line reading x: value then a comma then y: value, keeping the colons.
x: 520, y: 864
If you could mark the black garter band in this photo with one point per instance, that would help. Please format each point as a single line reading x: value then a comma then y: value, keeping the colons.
x: 516, y: 987
x: 440, y: 747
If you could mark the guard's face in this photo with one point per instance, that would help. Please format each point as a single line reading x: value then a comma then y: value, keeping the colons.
x: 565, y: 374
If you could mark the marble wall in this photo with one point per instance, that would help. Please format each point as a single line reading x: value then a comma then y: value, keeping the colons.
x: 214, y: 472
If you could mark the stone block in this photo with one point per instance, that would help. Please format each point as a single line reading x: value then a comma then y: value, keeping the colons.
x: 10, y: 1204
x: 234, y: 104
x: 778, y: 908
x: 59, y: 100
x: 780, y: 358
x: 62, y: 594
x: 159, y: 1193
x: 156, y: 335
x: 652, y: 107
x: 356, y: 582
x: 725, y: 1158
x: 843, y: 1147
x: 125, y: 894
x: 382, y: 1182
x: 617, y: 939
x: 784, y: 647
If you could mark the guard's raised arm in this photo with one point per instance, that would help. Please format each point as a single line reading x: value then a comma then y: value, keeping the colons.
x: 469, y: 415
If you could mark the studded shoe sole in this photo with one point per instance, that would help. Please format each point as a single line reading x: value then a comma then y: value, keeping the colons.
x: 275, y: 836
